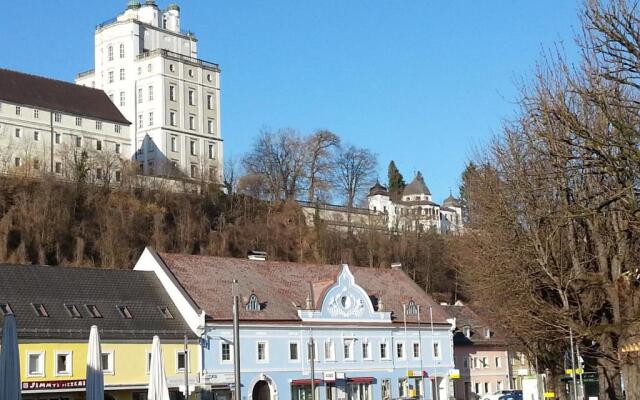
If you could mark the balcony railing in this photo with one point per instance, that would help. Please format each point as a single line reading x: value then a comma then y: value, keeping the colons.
x: 86, y: 73
x: 179, y: 57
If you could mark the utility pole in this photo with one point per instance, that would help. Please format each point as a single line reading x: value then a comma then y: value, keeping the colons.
x: 435, y: 375
x: 422, y: 385
x: 312, y: 359
x: 186, y: 367
x: 236, y: 341
x: 573, y: 366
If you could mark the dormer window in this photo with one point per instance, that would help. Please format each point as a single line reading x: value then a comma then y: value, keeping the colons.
x: 253, y: 304
x: 73, y: 310
x: 124, y: 312
x: 93, y: 311
x: 412, y: 308
x: 166, y: 313
x: 5, y: 309
x: 467, y: 331
x: 40, y: 310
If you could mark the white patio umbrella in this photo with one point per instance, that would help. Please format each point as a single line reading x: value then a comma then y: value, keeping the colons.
x: 158, y: 389
x: 95, y: 376
x: 10, y: 387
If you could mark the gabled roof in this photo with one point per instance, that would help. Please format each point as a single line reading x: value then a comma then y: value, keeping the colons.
x: 467, y: 317
x: 417, y: 186
x: 40, y: 92
x: 283, y: 287
x: 55, y: 287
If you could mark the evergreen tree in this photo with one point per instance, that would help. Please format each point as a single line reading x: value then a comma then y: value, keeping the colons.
x: 396, y: 181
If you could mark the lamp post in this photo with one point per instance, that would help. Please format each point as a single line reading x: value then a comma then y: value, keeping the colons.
x: 236, y: 341
x: 312, y: 360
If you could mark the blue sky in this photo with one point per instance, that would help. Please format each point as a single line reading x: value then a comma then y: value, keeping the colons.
x: 417, y: 81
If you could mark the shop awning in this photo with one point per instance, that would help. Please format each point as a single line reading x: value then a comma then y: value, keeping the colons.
x: 306, y: 382
x: 361, y: 379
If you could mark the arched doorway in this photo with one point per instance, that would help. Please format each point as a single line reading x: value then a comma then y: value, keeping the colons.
x: 261, y: 391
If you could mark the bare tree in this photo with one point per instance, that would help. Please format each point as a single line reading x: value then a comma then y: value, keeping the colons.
x: 231, y: 174
x: 355, y: 172
x: 320, y: 148
x: 279, y: 158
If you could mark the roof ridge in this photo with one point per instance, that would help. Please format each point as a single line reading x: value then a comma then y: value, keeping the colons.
x: 51, y: 79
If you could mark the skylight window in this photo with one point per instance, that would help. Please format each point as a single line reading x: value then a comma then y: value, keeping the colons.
x: 93, y: 311
x: 124, y: 312
x: 40, y: 310
x: 166, y: 313
x: 73, y: 310
x: 5, y: 309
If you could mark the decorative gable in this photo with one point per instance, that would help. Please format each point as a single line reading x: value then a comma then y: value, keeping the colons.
x: 345, y: 301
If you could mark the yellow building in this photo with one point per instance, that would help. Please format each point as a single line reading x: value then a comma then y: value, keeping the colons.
x: 55, y: 308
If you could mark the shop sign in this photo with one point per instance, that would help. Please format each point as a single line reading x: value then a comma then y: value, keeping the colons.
x: 216, y: 379
x: 549, y: 395
x: 329, y: 376
x: 54, y: 385
x: 454, y: 374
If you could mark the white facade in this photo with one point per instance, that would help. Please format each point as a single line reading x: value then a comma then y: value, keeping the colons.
x: 33, y: 139
x: 416, y: 210
x: 150, y: 70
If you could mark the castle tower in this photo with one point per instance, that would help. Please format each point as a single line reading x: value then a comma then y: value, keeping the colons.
x: 151, y: 71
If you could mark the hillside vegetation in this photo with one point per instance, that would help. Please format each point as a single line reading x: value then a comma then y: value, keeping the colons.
x: 45, y: 221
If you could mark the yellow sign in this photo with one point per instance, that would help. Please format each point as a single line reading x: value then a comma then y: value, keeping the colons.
x: 454, y: 374
x: 549, y: 395
x: 411, y: 373
x: 579, y: 371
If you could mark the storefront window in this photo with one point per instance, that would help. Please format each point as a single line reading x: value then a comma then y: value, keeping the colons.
x: 302, y: 392
x: 359, y: 391
x: 386, y: 389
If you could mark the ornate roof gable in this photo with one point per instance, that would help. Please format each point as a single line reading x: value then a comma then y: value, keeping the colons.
x: 345, y: 301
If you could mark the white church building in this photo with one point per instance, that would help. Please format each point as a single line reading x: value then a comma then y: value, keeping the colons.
x: 415, y: 209
x: 149, y: 68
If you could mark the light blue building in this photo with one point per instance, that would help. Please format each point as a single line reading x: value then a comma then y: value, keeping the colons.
x: 371, y: 328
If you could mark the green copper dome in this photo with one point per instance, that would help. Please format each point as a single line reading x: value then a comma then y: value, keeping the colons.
x: 133, y: 4
x: 173, y: 6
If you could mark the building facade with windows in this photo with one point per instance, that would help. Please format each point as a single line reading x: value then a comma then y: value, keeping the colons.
x: 376, y: 334
x: 415, y: 210
x: 55, y: 308
x: 482, y: 355
x: 150, y: 69
x: 46, y: 124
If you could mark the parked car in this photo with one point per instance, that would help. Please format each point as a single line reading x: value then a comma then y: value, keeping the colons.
x: 503, y: 395
x: 515, y: 395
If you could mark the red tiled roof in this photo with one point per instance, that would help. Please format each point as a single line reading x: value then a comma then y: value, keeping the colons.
x: 51, y: 94
x: 284, y: 286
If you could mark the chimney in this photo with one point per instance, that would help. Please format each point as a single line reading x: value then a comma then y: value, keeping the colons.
x: 380, y: 304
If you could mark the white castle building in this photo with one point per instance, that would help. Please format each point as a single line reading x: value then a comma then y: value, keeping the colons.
x: 415, y: 209
x: 150, y: 70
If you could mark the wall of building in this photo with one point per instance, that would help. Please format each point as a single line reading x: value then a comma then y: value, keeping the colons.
x: 129, y: 362
x: 279, y: 370
x: 481, y: 378
x: 32, y: 148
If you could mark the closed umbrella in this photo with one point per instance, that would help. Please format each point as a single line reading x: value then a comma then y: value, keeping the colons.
x: 158, y: 389
x: 95, y: 376
x: 10, y: 361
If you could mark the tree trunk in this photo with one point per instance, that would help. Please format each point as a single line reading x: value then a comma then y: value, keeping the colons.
x: 609, y: 381
x: 630, y: 370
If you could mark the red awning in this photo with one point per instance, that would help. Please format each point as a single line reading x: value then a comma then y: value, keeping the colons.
x: 362, y: 379
x: 306, y: 382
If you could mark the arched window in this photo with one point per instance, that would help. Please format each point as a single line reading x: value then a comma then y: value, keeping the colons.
x: 253, y: 304
x: 110, y: 53
x: 121, y: 50
x: 412, y: 308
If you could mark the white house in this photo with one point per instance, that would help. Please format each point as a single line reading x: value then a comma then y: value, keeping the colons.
x: 150, y: 69
x: 45, y: 124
